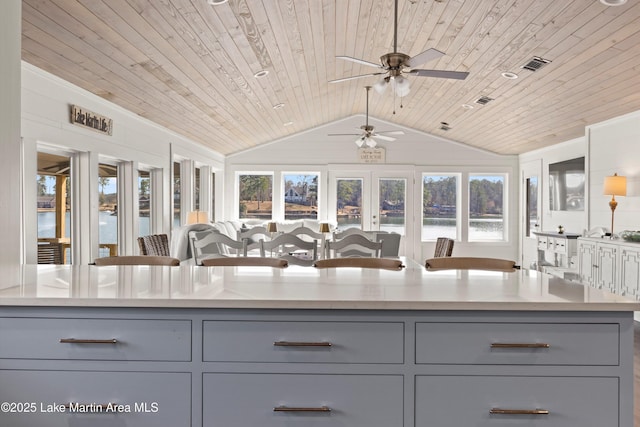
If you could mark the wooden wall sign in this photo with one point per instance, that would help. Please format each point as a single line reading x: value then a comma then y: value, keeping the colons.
x: 91, y: 120
x: 371, y: 155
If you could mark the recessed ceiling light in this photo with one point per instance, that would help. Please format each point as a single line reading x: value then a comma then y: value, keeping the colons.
x: 467, y: 106
x: 288, y: 124
x: 261, y: 73
x: 278, y: 106
x: 613, y: 2
x: 509, y: 75
x: 216, y: 2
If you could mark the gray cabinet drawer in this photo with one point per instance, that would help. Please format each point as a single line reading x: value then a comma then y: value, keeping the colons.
x: 499, y: 343
x: 137, y: 399
x: 303, y: 342
x: 241, y: 400
x: 467, y: 401
x: 40, y: 338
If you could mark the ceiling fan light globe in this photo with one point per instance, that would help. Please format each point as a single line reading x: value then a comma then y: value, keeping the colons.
x: 360, y: 142
x: 401, y: 86
x: 370, y: 142
x: 380, y: 86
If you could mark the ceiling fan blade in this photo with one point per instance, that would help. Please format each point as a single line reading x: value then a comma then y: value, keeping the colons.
x: 442, y: 74
x: 391, y: 132
x: 424, y: 57
x: 359, y: 61
x: 344, y: 134
x: 344, y: 79
x: 383, y: 137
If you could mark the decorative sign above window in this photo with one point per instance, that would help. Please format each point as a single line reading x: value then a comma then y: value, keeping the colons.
x: 371, y: 155
x: 91, y: 120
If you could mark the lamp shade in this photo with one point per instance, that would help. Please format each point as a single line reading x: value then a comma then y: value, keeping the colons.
x: 324, y: 227
x: 272, y: 227
x: 198, y: 217
x: 615, y: 185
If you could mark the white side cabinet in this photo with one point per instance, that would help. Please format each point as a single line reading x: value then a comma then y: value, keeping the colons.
x: 611, y: 265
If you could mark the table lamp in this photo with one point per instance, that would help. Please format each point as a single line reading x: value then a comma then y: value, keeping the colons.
x: 198, y: 217
x: 615, y: 186
x: 324, y: 227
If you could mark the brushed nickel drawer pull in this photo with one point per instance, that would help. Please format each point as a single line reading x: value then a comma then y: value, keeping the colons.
x: 301, y: 409
x: 301, y: 344
x: 519, y: 345
x: 519, y: 411
x: 87, y: 341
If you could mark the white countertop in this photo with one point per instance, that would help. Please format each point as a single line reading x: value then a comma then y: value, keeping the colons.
x: 295, y: 287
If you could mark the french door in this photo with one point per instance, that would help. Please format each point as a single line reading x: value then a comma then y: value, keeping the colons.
x: 374, y: 200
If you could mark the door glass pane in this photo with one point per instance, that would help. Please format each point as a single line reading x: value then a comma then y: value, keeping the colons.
x: 53, y: 207
x: 212, y: 214
x: 108, y: 209
x: 532, y: 205
x: 300, y: 196
x: 255, y: 196
x: 176, y: 194
x: 439, y: 206
x: 349, y: 203
x: 196, y: 189
x: 144, y: 202
x: 392, y: 201
x: 486, y: 201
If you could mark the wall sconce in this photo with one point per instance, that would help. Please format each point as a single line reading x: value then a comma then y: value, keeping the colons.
x: 198, y: 217
x: 324, y: 227
x: 615, y: 186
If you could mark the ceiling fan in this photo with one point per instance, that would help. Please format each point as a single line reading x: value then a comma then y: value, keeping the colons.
x: 395, y: 64
x: 365, y: 138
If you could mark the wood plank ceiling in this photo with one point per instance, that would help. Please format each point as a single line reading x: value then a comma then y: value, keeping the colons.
x: 190, y: 66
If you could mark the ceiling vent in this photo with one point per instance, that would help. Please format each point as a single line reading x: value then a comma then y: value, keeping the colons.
x: 444, y: 126
x: 535, y: 64
x: 483, y: 100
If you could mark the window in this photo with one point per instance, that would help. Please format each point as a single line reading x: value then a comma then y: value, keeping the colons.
x: 349, y: 202
x: 196, y: 190
x: 532, y: 205
x: 486, y: 207
x: 439, y: 206
x: 212, y: 214
x: 392, y: 195
x: 300, y: 195
x: 255, y: 193
x: 108, y: 209
x: 144, y: 203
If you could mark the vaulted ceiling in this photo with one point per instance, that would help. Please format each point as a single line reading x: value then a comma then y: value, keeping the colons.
x: 190, y: 66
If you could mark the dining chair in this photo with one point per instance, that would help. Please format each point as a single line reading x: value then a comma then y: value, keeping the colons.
x: 213, y: 244
x: 245, y: 261
x: 291, y: 248
x: 137, y: 260
x: 354, y: 245
x: 253, y: 236
x: 307, y: 234
x: 380, y: 263
x: 444, y: 247
x: 154, y: 244
x: 470, y: 263
x: 50, y: 253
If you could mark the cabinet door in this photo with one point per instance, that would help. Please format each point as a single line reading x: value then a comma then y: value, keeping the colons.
x: 630, y: 272
x: 607, y: 271
x: 586, y: 262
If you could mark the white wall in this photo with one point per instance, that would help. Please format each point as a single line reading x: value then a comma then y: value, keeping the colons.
x: 614, y: 147
x: 46, y: 101
x: 414, y: 152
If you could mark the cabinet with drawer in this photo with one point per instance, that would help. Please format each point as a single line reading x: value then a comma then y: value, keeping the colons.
x: 92, y: 398
x: 271, y: 400
x: 249, y: 367
x: 516, y: 400
x: 303, y: 342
